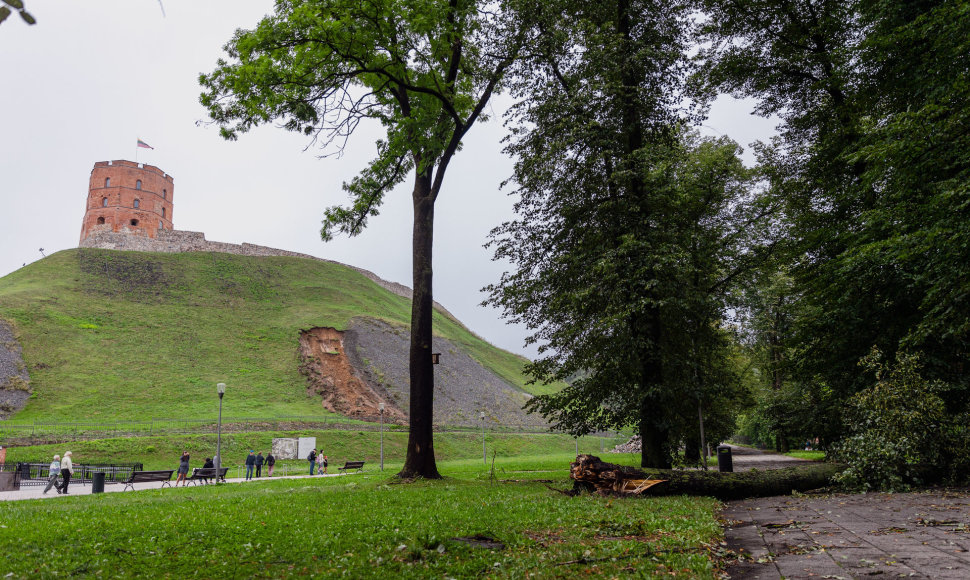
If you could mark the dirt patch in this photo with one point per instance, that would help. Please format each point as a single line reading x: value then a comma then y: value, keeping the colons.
x: 462, y: 386
x: 355, y: 370
x: 331, y: 375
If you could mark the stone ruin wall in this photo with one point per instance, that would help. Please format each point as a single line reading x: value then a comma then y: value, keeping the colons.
x: 176, y: 241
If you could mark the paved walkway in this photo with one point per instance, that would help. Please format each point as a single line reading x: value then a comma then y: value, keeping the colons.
x: 911, y: 535
x: 748, y: 458
x: 37, y: 491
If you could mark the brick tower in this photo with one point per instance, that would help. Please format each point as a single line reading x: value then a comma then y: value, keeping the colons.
x: 128, y: 197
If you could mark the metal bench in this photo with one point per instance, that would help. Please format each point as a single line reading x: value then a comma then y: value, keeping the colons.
x: 164, y: 475
x: 358, y: 465
x: 204, y: 474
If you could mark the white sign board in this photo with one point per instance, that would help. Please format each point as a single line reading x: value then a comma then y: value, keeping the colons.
x: 305, y: 446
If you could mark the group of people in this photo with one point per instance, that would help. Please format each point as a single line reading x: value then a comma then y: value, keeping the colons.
x: 63, y: 468
x: 183, y: 469
x: 257, y: 461
x: 317, y: 461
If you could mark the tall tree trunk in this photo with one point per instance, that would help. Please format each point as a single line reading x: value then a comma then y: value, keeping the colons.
x: 654, y: 438
x: 692, y: 450
x: 420, y: 461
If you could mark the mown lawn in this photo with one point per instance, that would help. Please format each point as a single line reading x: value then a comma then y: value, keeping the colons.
x: 364, y: 526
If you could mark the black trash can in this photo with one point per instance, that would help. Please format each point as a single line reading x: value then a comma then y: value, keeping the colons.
x: 724, y: 461
x: 97, y: 482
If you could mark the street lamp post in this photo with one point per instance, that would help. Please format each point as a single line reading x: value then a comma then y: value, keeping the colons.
x: 481, y: 415
x: 221, y: 389
x: 381, y: 407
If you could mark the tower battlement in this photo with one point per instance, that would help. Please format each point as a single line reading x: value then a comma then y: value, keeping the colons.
x: 128, y: 197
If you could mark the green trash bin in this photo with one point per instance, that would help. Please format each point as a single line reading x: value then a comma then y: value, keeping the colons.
x: 97, y: 482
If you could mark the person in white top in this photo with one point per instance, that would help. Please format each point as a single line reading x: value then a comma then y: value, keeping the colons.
x: 67, y: 469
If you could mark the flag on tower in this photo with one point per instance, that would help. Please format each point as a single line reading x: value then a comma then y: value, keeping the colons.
x: 144, y: 145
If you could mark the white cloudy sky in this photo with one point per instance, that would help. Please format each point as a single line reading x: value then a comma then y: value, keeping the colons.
x: 91, y: 77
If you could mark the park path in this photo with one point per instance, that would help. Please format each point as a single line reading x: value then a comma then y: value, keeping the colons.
x: 912, y: 535
x: 37, y: 491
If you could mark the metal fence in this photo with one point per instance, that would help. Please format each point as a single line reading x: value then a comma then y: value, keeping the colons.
x: 58, y: 432
x: 30, y: 473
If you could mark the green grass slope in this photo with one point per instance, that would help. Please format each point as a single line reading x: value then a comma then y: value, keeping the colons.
x: 113, y: 336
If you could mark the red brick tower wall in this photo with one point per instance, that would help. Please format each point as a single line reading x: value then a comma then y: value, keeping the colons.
x: 128, y: 197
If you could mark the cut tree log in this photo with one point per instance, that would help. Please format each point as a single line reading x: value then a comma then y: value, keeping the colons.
x: 591, y: 474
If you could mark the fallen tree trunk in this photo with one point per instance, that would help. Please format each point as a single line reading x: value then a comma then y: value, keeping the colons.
x: 591, y: 474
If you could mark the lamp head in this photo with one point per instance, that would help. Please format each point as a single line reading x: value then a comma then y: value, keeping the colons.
x: 221, y: 389
x: 380, y: 407
x: 481, y: 415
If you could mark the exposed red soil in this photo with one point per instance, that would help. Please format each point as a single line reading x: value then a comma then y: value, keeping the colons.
x: 330, y: 375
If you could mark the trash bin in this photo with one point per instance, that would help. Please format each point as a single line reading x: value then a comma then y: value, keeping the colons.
x: 97, y: 482
x: 724, y: 461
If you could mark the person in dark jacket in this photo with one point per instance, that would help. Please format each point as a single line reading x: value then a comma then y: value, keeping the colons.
x: 250, y: 463
x: 259, y: 464
x: 270, y: 462
x: 183, y: 469
x: 208, y: 463
x: 312, y: 458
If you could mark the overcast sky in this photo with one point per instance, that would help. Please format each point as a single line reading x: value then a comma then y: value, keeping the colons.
x: 92, y: 77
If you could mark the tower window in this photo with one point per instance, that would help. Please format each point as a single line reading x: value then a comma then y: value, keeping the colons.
x: 164, y: 194
x: 107, y: 182
x: 163, y: 212
x: 138, y: 184
x: 104, y: 202
x: 160, y: 226
x: 137, y: 203
x: 101, y: 221
x: 134, y: 222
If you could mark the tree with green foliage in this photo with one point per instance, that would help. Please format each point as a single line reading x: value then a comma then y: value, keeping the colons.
x: 872, y: 163
x: 5, y: 11
x: 624, y: 224
x: 425, y: 70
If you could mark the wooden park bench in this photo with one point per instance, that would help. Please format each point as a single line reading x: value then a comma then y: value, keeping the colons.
x: 358, y: 465
x: 164, y: 475
x: 206, y: 473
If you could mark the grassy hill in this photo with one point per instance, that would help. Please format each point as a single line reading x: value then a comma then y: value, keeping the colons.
x: 110, y: 335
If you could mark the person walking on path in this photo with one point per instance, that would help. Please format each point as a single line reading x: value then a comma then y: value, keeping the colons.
x: 54, y: 472
x: 312, y: 458
x: 325, y: 463
x: 67, y: 469
x: 250, y: 463
x: 259, y: 464
x: 270, y: 462
x: 183, y: 469
x: 320, y: 462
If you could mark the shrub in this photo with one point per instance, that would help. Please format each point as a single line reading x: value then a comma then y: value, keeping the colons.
x: 896, y: 428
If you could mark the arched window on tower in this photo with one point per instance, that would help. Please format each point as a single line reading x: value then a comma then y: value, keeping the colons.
x: 137, y: 203
x: 101, y: 221
x: 160, y: 226
x: 134, y: 222
x: 163, y: 212
x: 138, y: 184
x: 107, y: 182
x: 104, y: 202
x: 164, y: 194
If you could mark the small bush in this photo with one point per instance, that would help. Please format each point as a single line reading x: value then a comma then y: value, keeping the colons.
x: 896, y: 427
